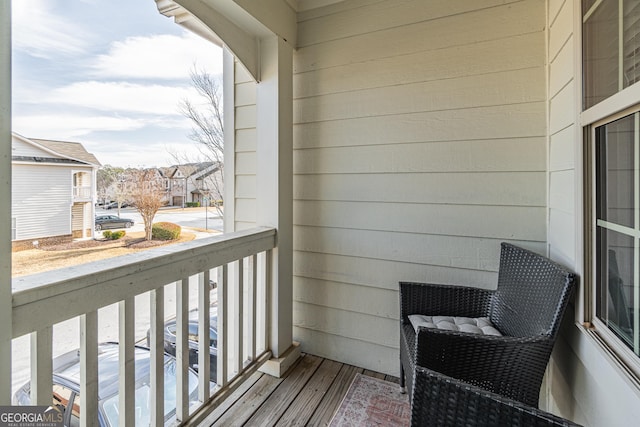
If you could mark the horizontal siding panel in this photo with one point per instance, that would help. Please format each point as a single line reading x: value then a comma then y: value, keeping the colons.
x: 246, y: 186
x: 562, y: 149
x: 561, y: 109
x: 246, y: 117
x: 562, y: 190
x: 246, y: 163
x: 516, y: 87
x: 498, y: 188
x: 387, y: 15
x: 518, y: 52
x: 426, y: 249
x: 360, y: 299
x: 348, y: 324
x: 245, y: 94
x: 554, y: 9
x: 385, y: 274
x: 41, y: 201
x: 562, y: 234
x: 519, y: 18
x: 512, y: 121
x: 518, y: 154
x: 500, y: 222
x: 561, y: 29
x: 561, y: 69
x: 246, y: 140
x: 241, y: 73
x: 245, y: 210
x: 346, y: 350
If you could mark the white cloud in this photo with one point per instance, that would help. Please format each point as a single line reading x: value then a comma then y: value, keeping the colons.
x: 158, y: 57
x: 40, y: 32
x: 70, y: 126
x: 121, y: 97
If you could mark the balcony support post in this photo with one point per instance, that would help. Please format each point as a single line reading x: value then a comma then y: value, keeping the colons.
x: 274, y: 110
x: 5, y: 203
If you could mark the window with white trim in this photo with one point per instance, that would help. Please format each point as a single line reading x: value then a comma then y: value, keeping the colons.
x: 611, y: 66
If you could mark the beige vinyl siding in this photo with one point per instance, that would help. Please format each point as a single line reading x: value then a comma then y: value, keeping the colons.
x: 245, y: 150
x: 419, y: 145
x: 41, y: 200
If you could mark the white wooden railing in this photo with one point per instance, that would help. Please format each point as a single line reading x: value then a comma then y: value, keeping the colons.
x: 82, y: 192
x: 242, y: 262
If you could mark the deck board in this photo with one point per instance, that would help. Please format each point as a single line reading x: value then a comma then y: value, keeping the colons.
x: 307, y: 395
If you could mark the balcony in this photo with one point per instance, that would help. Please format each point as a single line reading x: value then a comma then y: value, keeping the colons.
x: 82, y: 193
x: 240, y: 262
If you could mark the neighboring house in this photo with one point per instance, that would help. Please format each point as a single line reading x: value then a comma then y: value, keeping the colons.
x: 193, y: 182
x: 53, y: 191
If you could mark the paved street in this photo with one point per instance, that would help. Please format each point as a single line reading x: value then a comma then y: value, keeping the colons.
x: 66, y: 335
x: 189, y: 217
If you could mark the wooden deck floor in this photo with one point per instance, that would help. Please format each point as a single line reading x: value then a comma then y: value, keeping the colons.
x: 307, y: 395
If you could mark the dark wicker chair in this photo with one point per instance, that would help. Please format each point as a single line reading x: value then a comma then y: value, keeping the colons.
x: 442, y: 401
x: 526, y: 308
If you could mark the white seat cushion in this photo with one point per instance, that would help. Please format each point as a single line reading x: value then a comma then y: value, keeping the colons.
x: 473, y: 325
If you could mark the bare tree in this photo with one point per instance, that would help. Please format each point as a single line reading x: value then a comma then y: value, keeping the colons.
x: 207, y: 127
x: 106, y: 176
x: 147, y: 196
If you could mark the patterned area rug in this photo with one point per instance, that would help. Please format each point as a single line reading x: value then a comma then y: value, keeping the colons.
x: 372, y: 402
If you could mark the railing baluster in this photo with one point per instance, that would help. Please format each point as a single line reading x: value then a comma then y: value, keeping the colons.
x: 239, y: 313
x: 41, y: 366
x: 251, y: 310
x: 204, y: 306
x: 126, y: 349
x: 268, y: 262
x: 156, y: 344
x: 89, y: 369
x: 222, y: 348
x: 182, y: 349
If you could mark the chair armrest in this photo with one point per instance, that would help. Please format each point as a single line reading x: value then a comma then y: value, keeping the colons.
x: 442, y: 300
x: 510, y: 366
x: 439, y: 400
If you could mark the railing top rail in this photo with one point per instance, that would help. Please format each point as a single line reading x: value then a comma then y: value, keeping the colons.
x: 47, y: 298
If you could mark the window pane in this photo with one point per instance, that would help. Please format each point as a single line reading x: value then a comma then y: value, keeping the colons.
x: 600, y: 53
x: 615, y: 288
x: 615, y: 155
x: 631, y: 42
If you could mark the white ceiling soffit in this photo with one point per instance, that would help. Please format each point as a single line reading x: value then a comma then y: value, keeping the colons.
x: 238, y: 24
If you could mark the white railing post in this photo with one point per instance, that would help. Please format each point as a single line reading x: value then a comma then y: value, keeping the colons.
x: 182, y: 349
x: 41, y: 366
x: 222, y: 325
x: 238, y: 312
x: 5, y: 203
x: 156, y: 370
x: 89, y: 369
x: 204, y: 307
x: 126, y: 360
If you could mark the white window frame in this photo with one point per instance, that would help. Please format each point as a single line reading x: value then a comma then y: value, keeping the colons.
x: 619, y: 105
x: 615, y: 343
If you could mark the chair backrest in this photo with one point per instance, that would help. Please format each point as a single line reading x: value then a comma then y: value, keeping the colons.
x: 532, y: 293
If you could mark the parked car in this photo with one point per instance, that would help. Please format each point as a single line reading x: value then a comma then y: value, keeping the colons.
x: 193, y: 328
x: 112, y: 221
x: 66, y: 390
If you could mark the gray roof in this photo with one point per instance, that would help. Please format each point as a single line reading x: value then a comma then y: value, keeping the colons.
x: 74, y: 150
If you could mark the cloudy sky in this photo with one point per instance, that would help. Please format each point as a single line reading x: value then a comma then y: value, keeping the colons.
x: 107, y: 73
